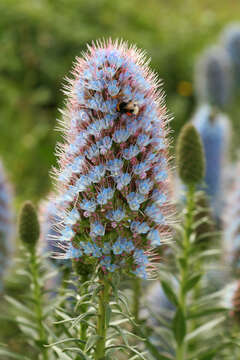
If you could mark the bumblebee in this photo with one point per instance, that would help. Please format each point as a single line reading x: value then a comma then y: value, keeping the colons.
x: 130, y: 108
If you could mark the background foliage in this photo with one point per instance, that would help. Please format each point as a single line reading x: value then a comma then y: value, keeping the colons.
x: 39, y: 40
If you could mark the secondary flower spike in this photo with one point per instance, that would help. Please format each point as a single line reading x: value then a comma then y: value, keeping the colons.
x: 231, y: 220
x: 7, y: 223
x: 113, y: 188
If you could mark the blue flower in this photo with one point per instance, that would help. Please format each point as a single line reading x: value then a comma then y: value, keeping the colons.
x: 96, y: 85
x: 154, y: 213
x: 141, y: 272
x: 105, y: 144
x: 151, y: 158
x: 115, y: 60
x: 113, y: 88
x: 97, y: 173
x: 92, y: 152
x: 121, y: 135
x: 141, y: 168
x: 138, y: 227
x: 131, y: 152
x: 109, y: 106
x: 95, y: 128
x: 119, y: 246
x: 116, y: 215
x: 154, y: 237
x: 106, y: 248
x: 77, y: 164
x: 87, y: 247
x: 160, y: 175
x: 127, y: 92
x: 88, y: 205
x: 134, y: 200
x: 97, y: 229
x: 159, y: 197
x: 72, y: 253
x: 82, y: 183
x: 132, y: 126
x: 81, y: 139
x: 140, y: 258
x: 67, y: 234
x: 66, y: 174
x: 123, y: 180
x: 115, y: 166
x: 70, y: 194
x: 72, y: 217
x: 108, y: 120
x: 112, y: 267
x: 129, y: 246
x: 143, y: 140
x: 158, y: 144
x: 144, y: 186
x: 96, y: 251
x: 106, y: 261
x: 105, y: 195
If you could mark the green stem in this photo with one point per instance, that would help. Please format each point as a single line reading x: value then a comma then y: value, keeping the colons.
x: 83, y: 309
x: 136, y: 285
x: 103, y: 300
x: 37, y: 294
x: 181, y: 352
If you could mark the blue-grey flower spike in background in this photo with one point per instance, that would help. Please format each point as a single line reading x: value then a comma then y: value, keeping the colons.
x: 231, y: 221
x: 231, y: 41
x: 215, y: 130
x: 7, y: 226
x: 214, y: 77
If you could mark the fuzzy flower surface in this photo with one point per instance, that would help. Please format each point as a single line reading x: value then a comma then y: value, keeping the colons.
x: 215, y: 131
x: 48, y: 231
x: 231, y: 221
x: 113, y: 190
x: 7, y: 228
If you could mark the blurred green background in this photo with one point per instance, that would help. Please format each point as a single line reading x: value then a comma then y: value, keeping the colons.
x: 39, y: 40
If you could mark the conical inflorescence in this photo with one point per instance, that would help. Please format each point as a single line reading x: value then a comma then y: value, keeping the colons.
x: 190, y: 156
x: 29, y: 228
x: 113, y: 188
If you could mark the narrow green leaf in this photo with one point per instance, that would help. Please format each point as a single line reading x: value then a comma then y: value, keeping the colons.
x: 91, y: 342
x: 191, y: 282
x: 60, y: 353
x: 79, y: 351
x: 108, y: 315
x: 208, y: 354
x: 130, y: 348
x: 19, y: 306
x: 182, y: 262
x: 169, y: 292
x: 206, y: 312
x: 13, y: 355
x: 205, y: 328
x: 66, y: 340
x: 179, y: 326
